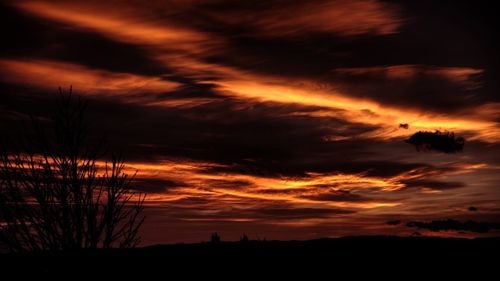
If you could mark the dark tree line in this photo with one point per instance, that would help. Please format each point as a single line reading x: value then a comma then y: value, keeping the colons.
x: 57, y: 192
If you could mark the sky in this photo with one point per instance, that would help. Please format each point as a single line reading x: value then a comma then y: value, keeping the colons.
x: 275, y: 119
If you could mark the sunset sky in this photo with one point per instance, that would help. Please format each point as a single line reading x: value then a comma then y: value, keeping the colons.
x: 277, y: 119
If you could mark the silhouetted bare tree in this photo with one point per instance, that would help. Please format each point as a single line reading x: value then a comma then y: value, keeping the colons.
x: 57, y: 194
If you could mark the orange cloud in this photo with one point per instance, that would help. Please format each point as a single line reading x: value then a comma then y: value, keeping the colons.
x: 119, y: 23
x: 51, y: 74
x: 239, y: 188
x: 364, y: 111
x: 182, y: 49
x: 172, y: 45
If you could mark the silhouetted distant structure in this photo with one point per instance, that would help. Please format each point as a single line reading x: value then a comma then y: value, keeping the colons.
x: 244, y: 239
x: 56, y: 192
x: 215, y: 238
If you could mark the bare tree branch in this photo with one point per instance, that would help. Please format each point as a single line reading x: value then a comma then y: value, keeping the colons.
x: 55, y: 193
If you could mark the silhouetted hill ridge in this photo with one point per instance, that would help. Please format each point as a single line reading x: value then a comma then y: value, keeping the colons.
x: 346, y: 255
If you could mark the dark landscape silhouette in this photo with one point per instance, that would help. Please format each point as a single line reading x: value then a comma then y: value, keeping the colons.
x: 349, y: 256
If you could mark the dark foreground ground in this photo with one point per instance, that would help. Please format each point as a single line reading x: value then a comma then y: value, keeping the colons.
x: 377, y: 256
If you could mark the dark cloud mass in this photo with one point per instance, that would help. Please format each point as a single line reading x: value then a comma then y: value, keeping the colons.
x: 432, y: 184
x: 393, y: 222
x: 454, y: 225
x: 444, y: 142
x: 285, y: 118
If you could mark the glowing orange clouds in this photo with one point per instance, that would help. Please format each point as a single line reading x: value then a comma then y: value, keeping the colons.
x: 125, y: 25
x: 183, y: 49
x: 223, y: 196
x: 51, y: 74
x: 274, y: 109
x: 195, y: 182
x: 172, y: 45
x: 362, y: 110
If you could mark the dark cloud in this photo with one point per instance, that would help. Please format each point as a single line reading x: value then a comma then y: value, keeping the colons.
x: 296, y: 213
x: 29, y: 37
x: 339, y: 195
x: 454, y: 225
x: 154, y: 185
x: 411, y: 86
x: 191, y: 89
x: 394, y: 222
x: 272, y: 213
x: 438, y: 141
x: 267, y: 214
x: 192, y: 201
x: 432, y: 184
